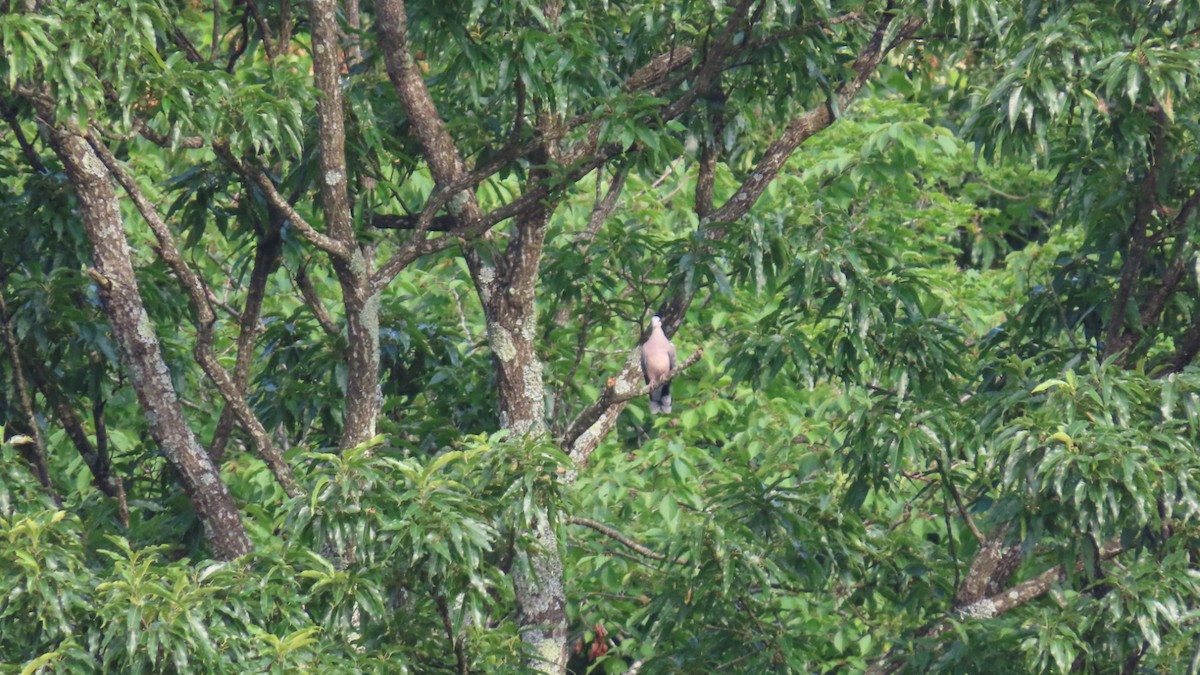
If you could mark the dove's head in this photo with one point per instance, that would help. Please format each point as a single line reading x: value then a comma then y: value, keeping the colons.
x: 656, y: 322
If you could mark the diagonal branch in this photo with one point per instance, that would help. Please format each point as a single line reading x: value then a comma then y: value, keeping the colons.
x: 1117, y: 340
x: 603, y: 207
x: 95, y: 456
x: 994, y: 605
x: 445, y: 160
x: 804, y: 126
x: 31, y: 154
x: 799, y: 130
x: 334, y: 247
x: 35, y: 448
x: 615, y: 534
x: 313, y: 300
x: 263, y: 28
x: 1154, y: 304
x: 197, y: 296
x: 1189, y: 346
x: 615, y: 394
x: 948, y: 480
x: 713, y: 60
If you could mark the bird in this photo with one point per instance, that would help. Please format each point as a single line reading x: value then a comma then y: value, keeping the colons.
x: 658, y: 359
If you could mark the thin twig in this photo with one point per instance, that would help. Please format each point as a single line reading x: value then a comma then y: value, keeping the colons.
x: 313, y: 300
x: 615, y: 535
x: 456, y: 643
x: 37, y: 453
x: 948, y: 481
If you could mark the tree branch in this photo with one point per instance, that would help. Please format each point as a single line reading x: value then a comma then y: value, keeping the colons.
x: 204, y: 320
x: 804, y: 126
x: 800, y: 129
x: 456, y: 643
x: 35, y: 448
x: 265, y: 255
x: 331, y: 124
x: 948, y: 480
x: 388, y: 221
x: 1189, y: 346
x: 615, y: 394
x: 95, y: 456
x: 1154, y: 304
x: 335, y: 248
x: 31, y: 154
x: 1117, y: 340
x: 615, y: 535
x: 313, y: 300
x: 602, y: 208
x: 263, y: 28
x: 993, y: 606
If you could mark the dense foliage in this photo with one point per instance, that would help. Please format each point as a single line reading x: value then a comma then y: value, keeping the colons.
x: 368, y: 398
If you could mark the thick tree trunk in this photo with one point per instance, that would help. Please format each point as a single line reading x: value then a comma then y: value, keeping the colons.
x: 507, y: 290
x: 140, y: 352
x: 354, y: 270
x: 362, y: 357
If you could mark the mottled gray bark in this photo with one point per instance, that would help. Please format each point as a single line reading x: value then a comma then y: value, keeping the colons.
x: 141, y: 354
x: 507, y: 291
x: 506, y: 284
x: 204, y: 319
x: 354, y: 271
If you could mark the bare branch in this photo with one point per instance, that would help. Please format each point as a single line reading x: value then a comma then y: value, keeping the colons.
x: 216, y: 30
x: 995, y: 605
x: 712, y: 62
x: 265, y: 255
x: 338, y: 249
x: 1156, y: 301
x: 469, y: 228
x: 331, y: 124
x: 656, y: 70
x: 161, y: 140
x: 387, y: 221
x: 239, y: 46
x: 603, y: 207
x: 804, y: 28
x: 804, y: 126
x: 189, y: 49
x: 263, y: 28
x: 614, y: 394
x: 706, y: 178
x: 615, y: 535
x: 456, y: 643
x: 1023, y: 592
x: 948, y: 480
x: 1189, y: 346
x: 205, y: 319
x: 445, y: 160
x: 313, y: 300
x: 95, y: 456
x: 31, y: 154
